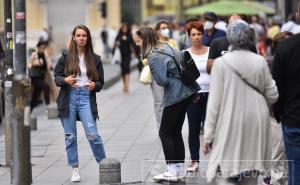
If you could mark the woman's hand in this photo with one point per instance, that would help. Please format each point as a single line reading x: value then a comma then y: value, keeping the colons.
x: 35, y: 61
x: 206, y: 148
x: 90, y: 85
x: 50, y: 67
x: 71, y: 80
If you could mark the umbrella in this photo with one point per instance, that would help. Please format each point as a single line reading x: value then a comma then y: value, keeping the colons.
x: 229, y: 7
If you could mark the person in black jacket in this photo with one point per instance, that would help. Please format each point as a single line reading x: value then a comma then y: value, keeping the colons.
x: 79, y: 74
x: 286, y: 73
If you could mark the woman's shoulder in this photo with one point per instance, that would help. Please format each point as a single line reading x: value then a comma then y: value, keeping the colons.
x: 97, y: 58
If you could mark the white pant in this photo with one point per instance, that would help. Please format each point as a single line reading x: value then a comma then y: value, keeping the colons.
x: 279, y: 170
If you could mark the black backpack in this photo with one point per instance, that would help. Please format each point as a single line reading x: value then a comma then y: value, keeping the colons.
x: 185, y: 65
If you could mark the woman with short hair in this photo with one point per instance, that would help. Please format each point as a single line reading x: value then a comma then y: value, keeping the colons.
x: 197, y: 110
x: 237, y: 126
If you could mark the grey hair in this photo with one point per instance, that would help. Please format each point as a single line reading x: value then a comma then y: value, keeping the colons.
x: 240, y: 35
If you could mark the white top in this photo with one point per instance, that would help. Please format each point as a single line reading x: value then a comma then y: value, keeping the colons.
x: 237, y: 118
x: 83, y: 78
x: 201, y: 61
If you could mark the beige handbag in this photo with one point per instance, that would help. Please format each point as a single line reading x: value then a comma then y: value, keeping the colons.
x: 146, y: 76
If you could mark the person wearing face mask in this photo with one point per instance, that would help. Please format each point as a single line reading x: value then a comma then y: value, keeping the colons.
x: 219, y: 46
x: 210, y: 32
x: 163, y: 31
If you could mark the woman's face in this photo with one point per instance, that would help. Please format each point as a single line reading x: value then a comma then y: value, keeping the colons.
x: 80, y: 37
x: 138, y: 40
x: 41, y: 49
x: 125, y: 28
x: 196, y: 37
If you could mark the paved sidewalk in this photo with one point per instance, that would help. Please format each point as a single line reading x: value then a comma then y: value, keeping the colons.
x: 128, y: 129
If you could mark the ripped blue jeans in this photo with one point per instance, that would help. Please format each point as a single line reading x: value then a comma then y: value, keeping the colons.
x: 79, y: 103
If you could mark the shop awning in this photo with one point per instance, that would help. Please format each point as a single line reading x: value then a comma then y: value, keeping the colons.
x: 226, y: 7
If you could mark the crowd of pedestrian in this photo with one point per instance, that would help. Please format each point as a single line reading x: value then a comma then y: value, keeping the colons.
x: 248, y: 75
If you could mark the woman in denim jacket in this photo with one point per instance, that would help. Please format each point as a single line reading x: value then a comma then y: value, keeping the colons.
x: 177, y: 97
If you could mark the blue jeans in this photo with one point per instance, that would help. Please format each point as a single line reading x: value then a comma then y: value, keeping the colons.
x: 79, y: 104
x: 196, y: 117
x: 291, y: 138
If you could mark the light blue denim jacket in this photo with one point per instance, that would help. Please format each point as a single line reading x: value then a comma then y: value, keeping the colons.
x: 166, y: 74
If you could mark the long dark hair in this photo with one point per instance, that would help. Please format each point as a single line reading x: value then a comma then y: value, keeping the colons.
x: 72, y: 63
x: 150, y: 40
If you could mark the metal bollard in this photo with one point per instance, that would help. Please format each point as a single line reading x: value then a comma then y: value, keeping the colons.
x: 52, y: 112
x: 110, y: 171
x: 33, y: 122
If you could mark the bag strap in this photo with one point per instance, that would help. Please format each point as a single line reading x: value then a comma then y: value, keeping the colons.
x: 243, y: 79
x: 173, y: 57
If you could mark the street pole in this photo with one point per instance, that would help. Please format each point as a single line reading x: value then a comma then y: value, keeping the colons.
x: 9, y: 72
x: 21, y: 96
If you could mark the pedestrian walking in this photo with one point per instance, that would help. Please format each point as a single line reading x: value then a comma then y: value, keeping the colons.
x: 286, y: 72
x: 125, y: 43
x: 39, y: 67
x: 79, y: 74
x: 177, y: 97
x: 197, y: 110
x: 237, y: 125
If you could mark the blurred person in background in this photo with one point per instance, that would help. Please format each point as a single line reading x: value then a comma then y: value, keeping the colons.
x: 290, y: 25
x: 210, y: 32
x: 163, y: 31
x: 176, y: 99
x: 221, y: 24
x: 39, y: 67
x: 220, y: 45
x: 258, y: 28
x: 237, y: 125
x: 137, y: 49
x: 125, y: 43
x: 197, y: 110
x: 278, y: 172
x: 104, y: 37
x: 286, y: 72
x: 273, y: 29
x: 79, y: 74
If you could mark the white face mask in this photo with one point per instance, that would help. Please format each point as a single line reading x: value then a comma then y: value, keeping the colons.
x: 208, y: 25
x: 165, y: 32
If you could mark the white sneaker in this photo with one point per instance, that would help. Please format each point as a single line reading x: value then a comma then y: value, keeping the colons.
x: 75, y: 175
x: 166, y: 176
x: 193, y: 166
x: 181, y: 171
x: 169, y: 175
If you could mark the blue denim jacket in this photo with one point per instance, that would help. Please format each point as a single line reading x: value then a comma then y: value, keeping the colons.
x: 166, y: 74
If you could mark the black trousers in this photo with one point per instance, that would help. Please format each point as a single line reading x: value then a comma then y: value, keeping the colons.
x: 196, y: 117
x: 170, y: 131
x: 39, y: 86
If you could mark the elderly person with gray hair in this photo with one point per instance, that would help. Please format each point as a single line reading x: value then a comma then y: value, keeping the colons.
x: 237, y: 125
